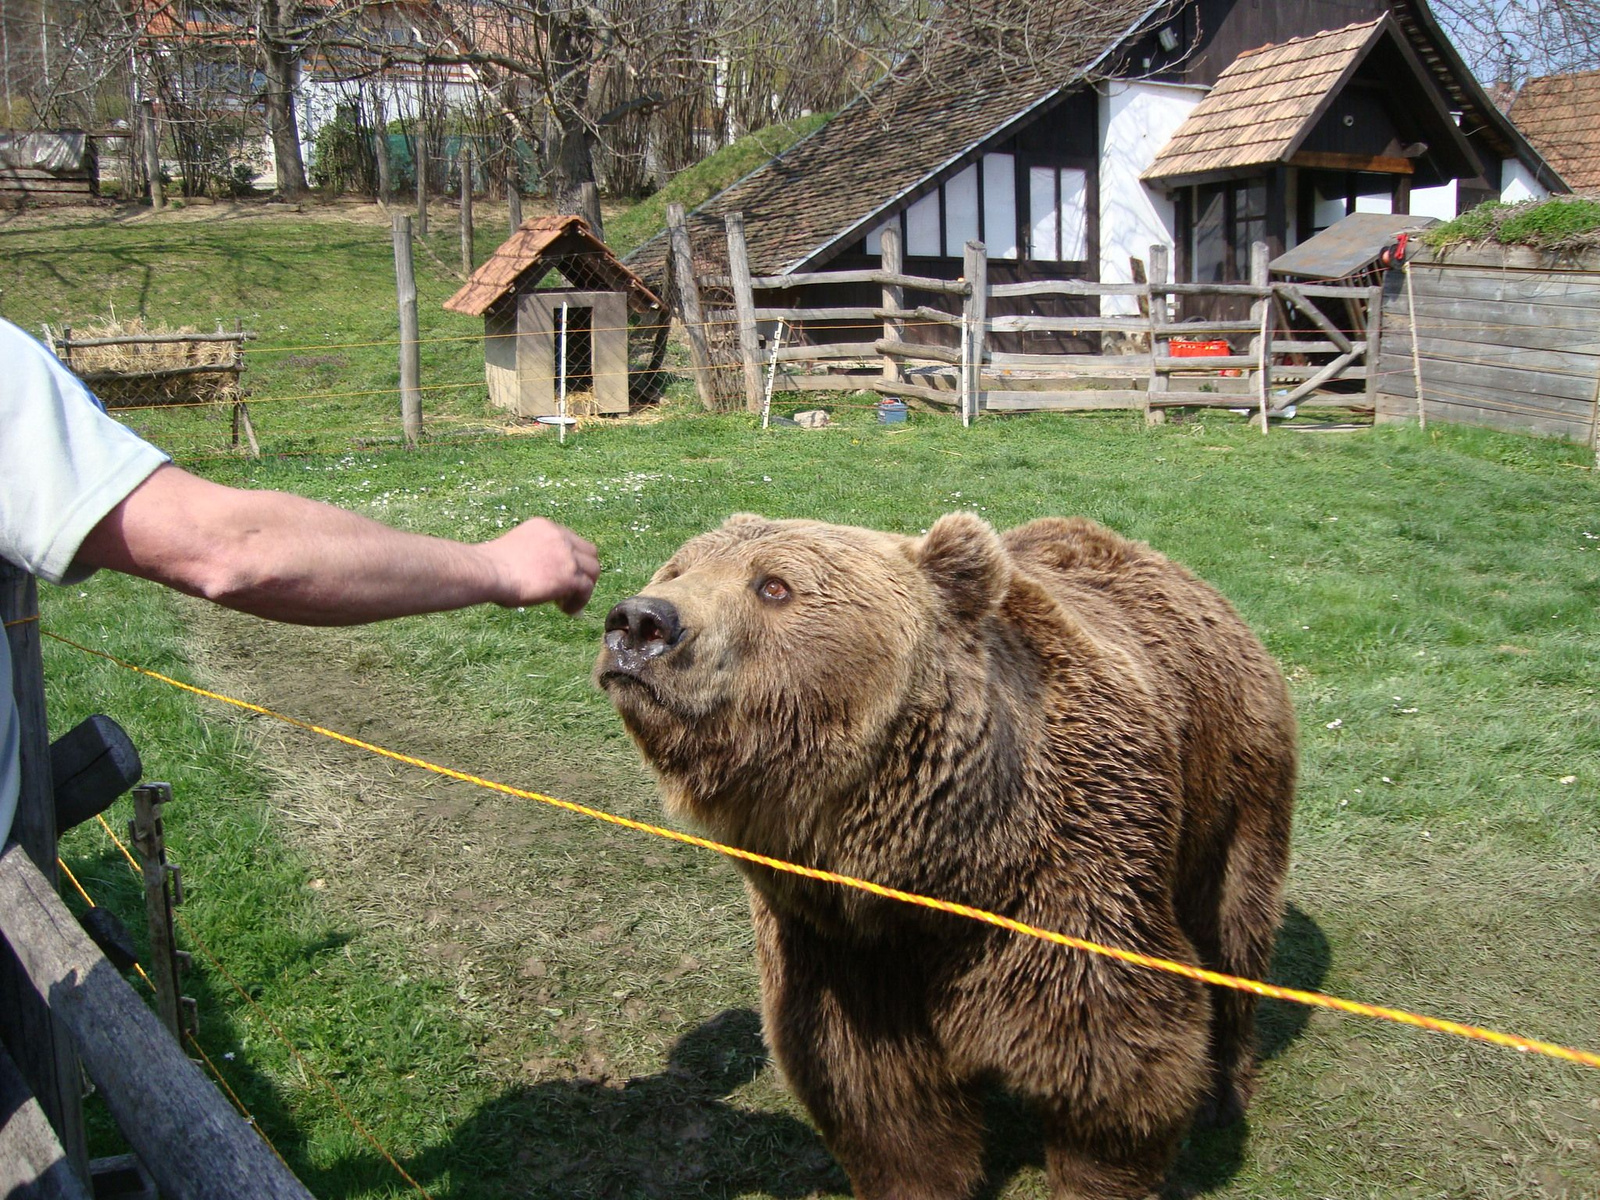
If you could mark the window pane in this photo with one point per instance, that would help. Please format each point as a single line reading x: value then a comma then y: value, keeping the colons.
x: 1327, y: 205
x: 1074, y: 215
x: 961, y: 211
x: 1046, y: 240
x: 1382, y: 202
x: 1210, y: 237
x: 1000, y: 205
x: 922, y: 226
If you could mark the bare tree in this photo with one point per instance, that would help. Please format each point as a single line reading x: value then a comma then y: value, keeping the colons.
x: 1507, y: 41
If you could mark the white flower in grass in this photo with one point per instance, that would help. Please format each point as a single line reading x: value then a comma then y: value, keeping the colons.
x: 1336, y: 723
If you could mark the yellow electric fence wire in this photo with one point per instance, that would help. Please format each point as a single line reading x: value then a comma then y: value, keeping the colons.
x: 250, y: 1001
x: 22, y: 621
x: 1219, y: 979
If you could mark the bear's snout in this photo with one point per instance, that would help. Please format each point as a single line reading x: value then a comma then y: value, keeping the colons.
x: 639, y: 629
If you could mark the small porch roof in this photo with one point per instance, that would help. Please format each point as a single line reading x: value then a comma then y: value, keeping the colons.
x: 542, y: 244
x: 1266, y: 104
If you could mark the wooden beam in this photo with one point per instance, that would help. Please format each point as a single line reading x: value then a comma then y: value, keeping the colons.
x: 894, y: 299
x: 32, y: 1162
x: 1077, y: 400
x: 28, y: 1028
x: 898, y: 349
x: 744, y: 305
x: 687, y: 290
x: 193, y: 1143
x: 1327, y: 160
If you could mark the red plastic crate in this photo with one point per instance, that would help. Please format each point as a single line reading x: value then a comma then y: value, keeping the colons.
x: 1196, y: 348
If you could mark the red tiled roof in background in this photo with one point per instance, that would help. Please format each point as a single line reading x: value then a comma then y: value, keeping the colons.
x: 1560, y: 115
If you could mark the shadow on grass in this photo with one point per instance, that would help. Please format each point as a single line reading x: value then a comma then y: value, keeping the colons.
x: 1210, y: 1158
x: 674, y: 1135
x: 669, y: 1136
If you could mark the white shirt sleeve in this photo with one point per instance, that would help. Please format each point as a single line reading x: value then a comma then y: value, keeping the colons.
x: 64, y: 464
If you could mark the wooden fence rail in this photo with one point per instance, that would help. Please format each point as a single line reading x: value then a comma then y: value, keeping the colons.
x: 62, y: 1003
x: 947, y: 358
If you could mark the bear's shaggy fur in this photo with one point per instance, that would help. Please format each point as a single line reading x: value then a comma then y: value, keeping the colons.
x: 1056, y: 724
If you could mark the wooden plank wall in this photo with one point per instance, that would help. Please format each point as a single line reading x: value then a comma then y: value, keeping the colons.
x: 1506, y: 338
x: 19, y: 185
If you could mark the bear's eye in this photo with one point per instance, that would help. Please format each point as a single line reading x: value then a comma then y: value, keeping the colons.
x: 772, y: 588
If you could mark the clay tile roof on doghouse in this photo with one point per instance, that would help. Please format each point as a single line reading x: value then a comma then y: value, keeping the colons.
x: 1560, y: 115
x: 1262, y: 105
x: 541, y: 244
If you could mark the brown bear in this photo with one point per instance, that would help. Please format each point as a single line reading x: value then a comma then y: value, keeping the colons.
x: 1055, y: 724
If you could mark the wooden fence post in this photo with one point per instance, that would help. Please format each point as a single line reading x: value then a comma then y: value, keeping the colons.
x: 744, y: 305
x: 1416, y: 352
x: 159, y: 887
x: 687, y: 289
x: 975, y: 269
x: 589, y: 207
x: 464, y: 164
x: 1157, y: 304
x: 1374, y: 343
x: 1260, y: 312
x: 514, y: 201
x: 893, y: 299
x: 410, y: 356
x: 33, y: 1036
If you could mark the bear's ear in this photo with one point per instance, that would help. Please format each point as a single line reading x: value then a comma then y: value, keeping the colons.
x: 963, y: 558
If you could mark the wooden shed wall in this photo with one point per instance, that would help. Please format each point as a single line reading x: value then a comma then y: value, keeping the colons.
x: 1506, y: 337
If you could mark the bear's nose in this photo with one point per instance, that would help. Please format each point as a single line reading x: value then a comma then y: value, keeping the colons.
x: 641, y: 627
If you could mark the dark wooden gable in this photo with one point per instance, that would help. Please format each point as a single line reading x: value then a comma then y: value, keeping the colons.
x: 916, y: 128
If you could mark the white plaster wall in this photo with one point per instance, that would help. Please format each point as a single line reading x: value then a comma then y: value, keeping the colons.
x: 1517, y: 183
x: 1136, y: 119
x: 1435, y: 201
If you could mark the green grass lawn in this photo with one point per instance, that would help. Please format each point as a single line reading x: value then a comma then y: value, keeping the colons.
x: 519, y: 1002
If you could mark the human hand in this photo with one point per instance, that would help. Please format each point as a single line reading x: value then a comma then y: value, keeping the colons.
x: 541, y: 562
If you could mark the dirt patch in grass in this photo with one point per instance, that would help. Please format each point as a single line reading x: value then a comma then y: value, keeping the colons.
x: 607, y: 979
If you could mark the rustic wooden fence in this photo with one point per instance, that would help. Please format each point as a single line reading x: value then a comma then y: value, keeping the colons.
x: 934, y: 338
x: 1499, y: 336
x: 65, y: 1010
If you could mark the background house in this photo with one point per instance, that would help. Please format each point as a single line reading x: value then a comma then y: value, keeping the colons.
x: 1560, y: 114
x: 1073, y: 164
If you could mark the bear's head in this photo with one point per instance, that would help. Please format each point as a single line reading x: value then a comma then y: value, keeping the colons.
x: 766, y: 661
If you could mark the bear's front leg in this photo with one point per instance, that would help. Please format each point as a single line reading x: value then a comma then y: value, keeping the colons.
x: 848, y: 1028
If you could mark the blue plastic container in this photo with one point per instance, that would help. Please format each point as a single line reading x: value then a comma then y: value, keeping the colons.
x: 891, y: 412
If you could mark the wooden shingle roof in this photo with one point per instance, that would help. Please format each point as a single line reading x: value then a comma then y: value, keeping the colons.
x: 1560, y: 115
x: 1263, y: 105
x: 827, y: 189
x: 542, y: 244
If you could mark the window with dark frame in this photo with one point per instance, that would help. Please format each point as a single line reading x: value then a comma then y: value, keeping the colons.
x: 1038, y: 211
x: 1228, y: 217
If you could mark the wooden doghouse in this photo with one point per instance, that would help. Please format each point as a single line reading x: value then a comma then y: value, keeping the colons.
x: 522, y: 321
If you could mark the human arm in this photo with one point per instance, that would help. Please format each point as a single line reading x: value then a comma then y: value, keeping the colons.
x: 282, y: 556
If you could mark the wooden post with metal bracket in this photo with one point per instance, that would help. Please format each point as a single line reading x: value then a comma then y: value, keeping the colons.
x: 163, y: 891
